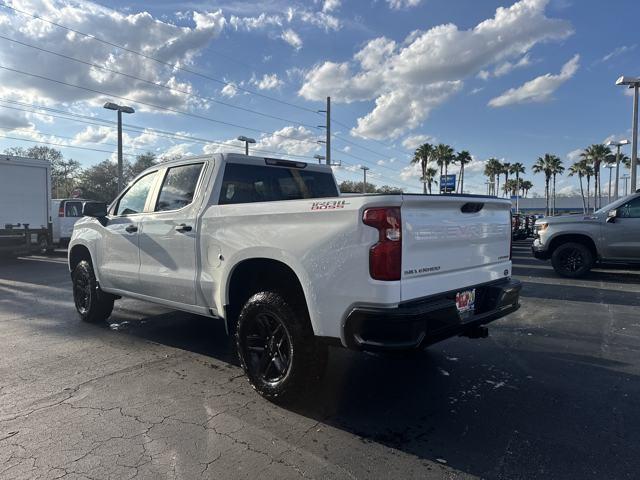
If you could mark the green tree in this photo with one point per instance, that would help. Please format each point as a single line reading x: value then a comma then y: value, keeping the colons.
x: 525, y: 186
x: 579, y: 168
x: 505, y: 171
x: 100, y: 182
x: 141, y: 163
x: 422, y: 156
x: 430, y: 178
x: 544, y: 165
x: 556, y: 169
x: 443, y: 155
x: 492, y: 169
x: 462, y: 158
x: 596, y: 155
x: 517, y: 169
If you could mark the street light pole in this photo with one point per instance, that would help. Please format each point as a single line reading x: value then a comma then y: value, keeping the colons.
x: 610, y: 167
x: 364, y: 184
x: 120, y: 109
x: 618, y: 145
x: 246, y: 141
x: 633, y: 82
x: 319, y: 158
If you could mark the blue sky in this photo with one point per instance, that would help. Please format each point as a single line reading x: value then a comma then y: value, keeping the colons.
x: 512, y: 80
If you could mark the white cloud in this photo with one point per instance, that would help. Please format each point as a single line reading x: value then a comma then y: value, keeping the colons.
x: 139, y: 32
x: 484, y: 75
x: 255, y: 23
x: 618, y: 51
x: 574, y: 155
x: 229, y: 90
x: 539, y: 89
x: 292, y: 38
x: 414, y: 141
x: 268, y: 82
x: 320, y: 20
x: 176, y: 151
x: 428, y: 67
x: 331, y: 5
x: 508, y: 67
x: 398, y: 4
x: 288, y: 140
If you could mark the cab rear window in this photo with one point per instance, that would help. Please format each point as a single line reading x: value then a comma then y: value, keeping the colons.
x: 256, y: 183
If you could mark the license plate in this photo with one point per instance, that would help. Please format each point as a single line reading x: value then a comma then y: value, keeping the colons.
x: 466, y: 302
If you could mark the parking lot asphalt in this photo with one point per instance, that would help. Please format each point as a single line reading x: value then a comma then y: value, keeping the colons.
x: 552, y: 393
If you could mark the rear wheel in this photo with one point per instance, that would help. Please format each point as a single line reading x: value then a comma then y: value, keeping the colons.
x: 572, y: 260
x: 277, y: 348
x: 93, y: 305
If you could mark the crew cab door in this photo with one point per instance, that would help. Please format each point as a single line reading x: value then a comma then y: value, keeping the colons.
x: 622, y: 236
x: 119, y: 258
x: 168, y: 236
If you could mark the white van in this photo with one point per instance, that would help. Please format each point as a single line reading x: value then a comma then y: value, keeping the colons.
x: 65, y: 212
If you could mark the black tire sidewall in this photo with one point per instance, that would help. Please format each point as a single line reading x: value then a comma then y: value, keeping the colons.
x: 100, y: 304
x: 584, y: 251
x: 306, y: 355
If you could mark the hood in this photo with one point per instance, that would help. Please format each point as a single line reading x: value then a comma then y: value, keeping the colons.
x: 569, y: 219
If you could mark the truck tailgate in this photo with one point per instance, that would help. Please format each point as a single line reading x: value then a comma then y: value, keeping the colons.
x: 452, y: 242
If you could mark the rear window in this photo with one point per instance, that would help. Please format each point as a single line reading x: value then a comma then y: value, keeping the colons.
x: 255, y: 183
x: 178, y: 187
x: 73, y: 209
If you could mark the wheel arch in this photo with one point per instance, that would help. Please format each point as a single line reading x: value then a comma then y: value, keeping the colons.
x: 254, y: 274
x: 581, y: 238
x: 77, y: 253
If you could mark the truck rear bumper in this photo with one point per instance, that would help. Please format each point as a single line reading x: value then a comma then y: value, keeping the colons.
x: 419, y: 323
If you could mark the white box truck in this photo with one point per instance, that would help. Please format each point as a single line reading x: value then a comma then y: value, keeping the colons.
x: 25, y: 205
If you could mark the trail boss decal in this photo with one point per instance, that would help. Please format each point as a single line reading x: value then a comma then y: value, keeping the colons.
x: 415, y: 271
x: 329, y: 205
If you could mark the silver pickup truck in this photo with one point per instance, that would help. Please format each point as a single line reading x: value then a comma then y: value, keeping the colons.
x: 575, y: 243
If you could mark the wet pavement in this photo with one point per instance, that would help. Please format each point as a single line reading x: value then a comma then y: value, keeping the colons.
x: 552, y: 393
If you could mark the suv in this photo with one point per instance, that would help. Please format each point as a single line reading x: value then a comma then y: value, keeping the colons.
x: 575, y: 243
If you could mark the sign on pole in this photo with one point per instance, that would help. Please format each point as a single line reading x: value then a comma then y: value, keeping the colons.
x: 447, y: 183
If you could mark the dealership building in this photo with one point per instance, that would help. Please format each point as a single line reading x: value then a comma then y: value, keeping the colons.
x: 564, y: 205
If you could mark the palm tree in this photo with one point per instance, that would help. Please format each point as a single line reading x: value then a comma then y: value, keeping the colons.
x: 443, y: 155
x: 505, y: 171
x: 492, y: 168
x: 525, y: 186
x: 462, y: 159
x: 517, y: 168
x: 596, y: 154
x: 429, y: 178
x: 543, y: 165
x: 578, y: 168
x: 556, y: 169
x: 423, y: 156
x: 510, y: 187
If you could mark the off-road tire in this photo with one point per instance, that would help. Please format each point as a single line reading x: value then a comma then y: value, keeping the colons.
x: 572, y: 260
x: 92, y: 304
x: 307, y: 358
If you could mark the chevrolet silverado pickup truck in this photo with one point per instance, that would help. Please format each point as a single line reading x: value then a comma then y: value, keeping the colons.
x: 270, y: 247
x: 575, y: 243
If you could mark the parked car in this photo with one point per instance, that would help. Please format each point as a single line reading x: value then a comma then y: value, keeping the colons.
x: 271, y: 248
x: 575, y: 243
x: 25, y: 193
x: 65, y: 212
x: 518, y: 227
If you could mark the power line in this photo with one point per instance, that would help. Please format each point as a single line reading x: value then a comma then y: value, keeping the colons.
x: 159, y: 107
x: 61, y: 145
x: 142, y: 130
x: 149, y: 57
x: 173, y: 136
x: 157, y: 84
x: 391, y: 147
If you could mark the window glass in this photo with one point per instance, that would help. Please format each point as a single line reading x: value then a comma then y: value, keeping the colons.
x: 178, y: 187
x: 630, y: 209
x: 72, y: 209
x: 256, y: 183
x: 133, y: 201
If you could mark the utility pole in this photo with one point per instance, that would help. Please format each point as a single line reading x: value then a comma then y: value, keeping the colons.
x: 327, y: 127
x: 610, y: 167
x: 364, y: 184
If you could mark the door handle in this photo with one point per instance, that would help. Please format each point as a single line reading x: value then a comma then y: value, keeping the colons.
x: 183, y: 228
x: 131, y: 229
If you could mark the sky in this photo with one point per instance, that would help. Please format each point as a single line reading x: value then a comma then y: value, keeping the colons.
x: 507, y: 79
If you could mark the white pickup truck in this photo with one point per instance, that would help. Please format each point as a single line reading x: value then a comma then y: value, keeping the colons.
x: 271, y: 248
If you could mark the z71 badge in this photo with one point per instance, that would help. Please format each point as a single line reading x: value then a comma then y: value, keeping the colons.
x: 329, y: 205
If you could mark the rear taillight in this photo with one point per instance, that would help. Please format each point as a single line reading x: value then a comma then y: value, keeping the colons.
x: 385, y: 257
x: 61, y: 210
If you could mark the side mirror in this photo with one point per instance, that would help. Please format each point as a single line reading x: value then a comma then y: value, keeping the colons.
x: 611, y: 216
x: 94, y: 209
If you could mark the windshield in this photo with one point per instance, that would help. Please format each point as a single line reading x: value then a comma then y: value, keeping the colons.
x: 613, y: 205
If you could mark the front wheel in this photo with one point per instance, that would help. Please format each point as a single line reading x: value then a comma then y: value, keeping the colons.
x: 572, y: 260
x: 277, y: 348
x: 93, y: 305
